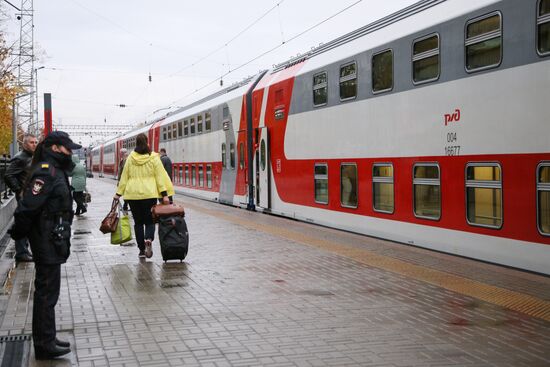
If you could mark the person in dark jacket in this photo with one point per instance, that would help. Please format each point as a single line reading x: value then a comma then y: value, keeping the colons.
x: 166, y: 162
x: 45, y: 214
x: 15, y: 178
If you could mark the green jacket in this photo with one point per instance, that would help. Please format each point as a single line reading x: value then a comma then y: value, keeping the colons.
x: 78, y: 181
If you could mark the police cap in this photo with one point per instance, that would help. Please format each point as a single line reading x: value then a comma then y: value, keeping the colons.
x: 60, y: 138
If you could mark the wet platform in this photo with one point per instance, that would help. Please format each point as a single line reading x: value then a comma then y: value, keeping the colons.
x: 259, y: 290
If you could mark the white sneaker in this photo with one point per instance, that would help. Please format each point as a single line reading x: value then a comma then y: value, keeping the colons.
x: 148, y: 249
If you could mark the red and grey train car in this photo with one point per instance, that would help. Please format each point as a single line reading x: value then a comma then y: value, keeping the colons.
x: 427, y: 127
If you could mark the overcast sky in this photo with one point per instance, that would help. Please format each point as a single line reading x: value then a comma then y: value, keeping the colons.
x: 99, y: 54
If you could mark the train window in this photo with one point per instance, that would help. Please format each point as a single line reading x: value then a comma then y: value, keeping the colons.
x: 348, y: 185
x: 348, y: 81
x: 321, y: 183
x: 180, y: 129
x: 241, y: 155
x: 225, y: 113
x: 543, y: 24
x: 484, y: 194
x: 426, y: 59
x: 199, y: 124
x: 201, y: 176
x: 263, y: 155
x: 174, y: 174
x: 483, y: 42
x: 543, y: 198
x: 192, y: 125
x: 382, y: 72
x: 209, y: 176
x: 187, y: 175
x: 193, y: 176
x: 320, y: 89
x: 185, y: 128
x: 175, y: 130
x: 382, y: 188
x: 224, y: 159
x: 169, y: 133
x: 427, y: 191
x: 207, y: 121
x: 232, y: 155
x: 181, y: 175
x: 164, y: 133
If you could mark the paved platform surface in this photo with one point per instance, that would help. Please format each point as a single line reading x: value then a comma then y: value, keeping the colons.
x: 258, y: 290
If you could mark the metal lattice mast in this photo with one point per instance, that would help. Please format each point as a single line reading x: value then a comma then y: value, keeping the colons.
x: 25, y: 105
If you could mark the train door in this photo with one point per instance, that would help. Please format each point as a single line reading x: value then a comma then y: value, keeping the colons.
x: 154, y: 134
x: 263, y: 170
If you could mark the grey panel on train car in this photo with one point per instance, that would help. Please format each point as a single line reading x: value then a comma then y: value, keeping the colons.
x: 516, y: 51
x: 229, y: 176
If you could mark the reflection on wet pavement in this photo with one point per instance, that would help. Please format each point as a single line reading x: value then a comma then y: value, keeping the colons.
x: 244, y: 297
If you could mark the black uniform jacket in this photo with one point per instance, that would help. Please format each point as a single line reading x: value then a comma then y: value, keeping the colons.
x: 44, y: 214
x: 17, y: 171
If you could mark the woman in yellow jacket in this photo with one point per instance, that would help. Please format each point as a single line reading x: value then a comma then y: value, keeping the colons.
x: 143, y: 181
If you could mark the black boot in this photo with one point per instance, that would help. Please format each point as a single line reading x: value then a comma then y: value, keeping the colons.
x: 50, y: 352
x: 62, y: 343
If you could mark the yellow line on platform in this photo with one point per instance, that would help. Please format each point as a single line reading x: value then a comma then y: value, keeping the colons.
x: 516, y: 301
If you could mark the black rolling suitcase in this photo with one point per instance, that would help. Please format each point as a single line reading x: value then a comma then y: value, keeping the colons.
x: 173, y: 237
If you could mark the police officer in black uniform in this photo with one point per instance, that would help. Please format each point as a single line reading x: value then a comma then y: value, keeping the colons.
x: 45, y: 214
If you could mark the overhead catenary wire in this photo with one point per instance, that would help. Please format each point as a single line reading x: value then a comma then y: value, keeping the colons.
x: 281, y: 24
x: 276, y: 6
x: 232, y: 70
x: 146, y: 41
x: 270, y: 50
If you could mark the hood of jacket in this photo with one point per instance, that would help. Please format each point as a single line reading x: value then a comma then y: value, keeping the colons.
x: 141, y: 159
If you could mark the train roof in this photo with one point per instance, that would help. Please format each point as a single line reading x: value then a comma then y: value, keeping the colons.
x: 215, y: 99
x: 106, y: 143
x: 412, y: 19
x: 141, y: 129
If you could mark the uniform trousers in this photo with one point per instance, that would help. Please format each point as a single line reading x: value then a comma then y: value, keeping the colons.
x: 47, y: 283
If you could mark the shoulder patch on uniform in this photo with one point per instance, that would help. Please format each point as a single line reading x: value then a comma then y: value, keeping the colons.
x: 37, y: 186
x: 45, y: 165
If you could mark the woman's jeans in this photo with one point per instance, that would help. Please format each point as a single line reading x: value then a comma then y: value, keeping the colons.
x: 143, y: 220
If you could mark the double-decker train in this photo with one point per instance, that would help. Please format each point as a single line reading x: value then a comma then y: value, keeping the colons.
x: 428, y: 127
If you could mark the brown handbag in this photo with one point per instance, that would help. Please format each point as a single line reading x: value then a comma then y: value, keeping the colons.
x: 110, y: 222
x: 167, y: 210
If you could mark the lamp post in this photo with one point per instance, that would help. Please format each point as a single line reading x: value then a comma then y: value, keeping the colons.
x: 13, y: 146
x: 35, y: 124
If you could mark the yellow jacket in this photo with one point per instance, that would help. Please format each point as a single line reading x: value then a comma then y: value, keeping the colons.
x: 144, y: 177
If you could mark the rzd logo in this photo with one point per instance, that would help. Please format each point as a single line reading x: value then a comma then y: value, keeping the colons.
x: 452, y: 117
